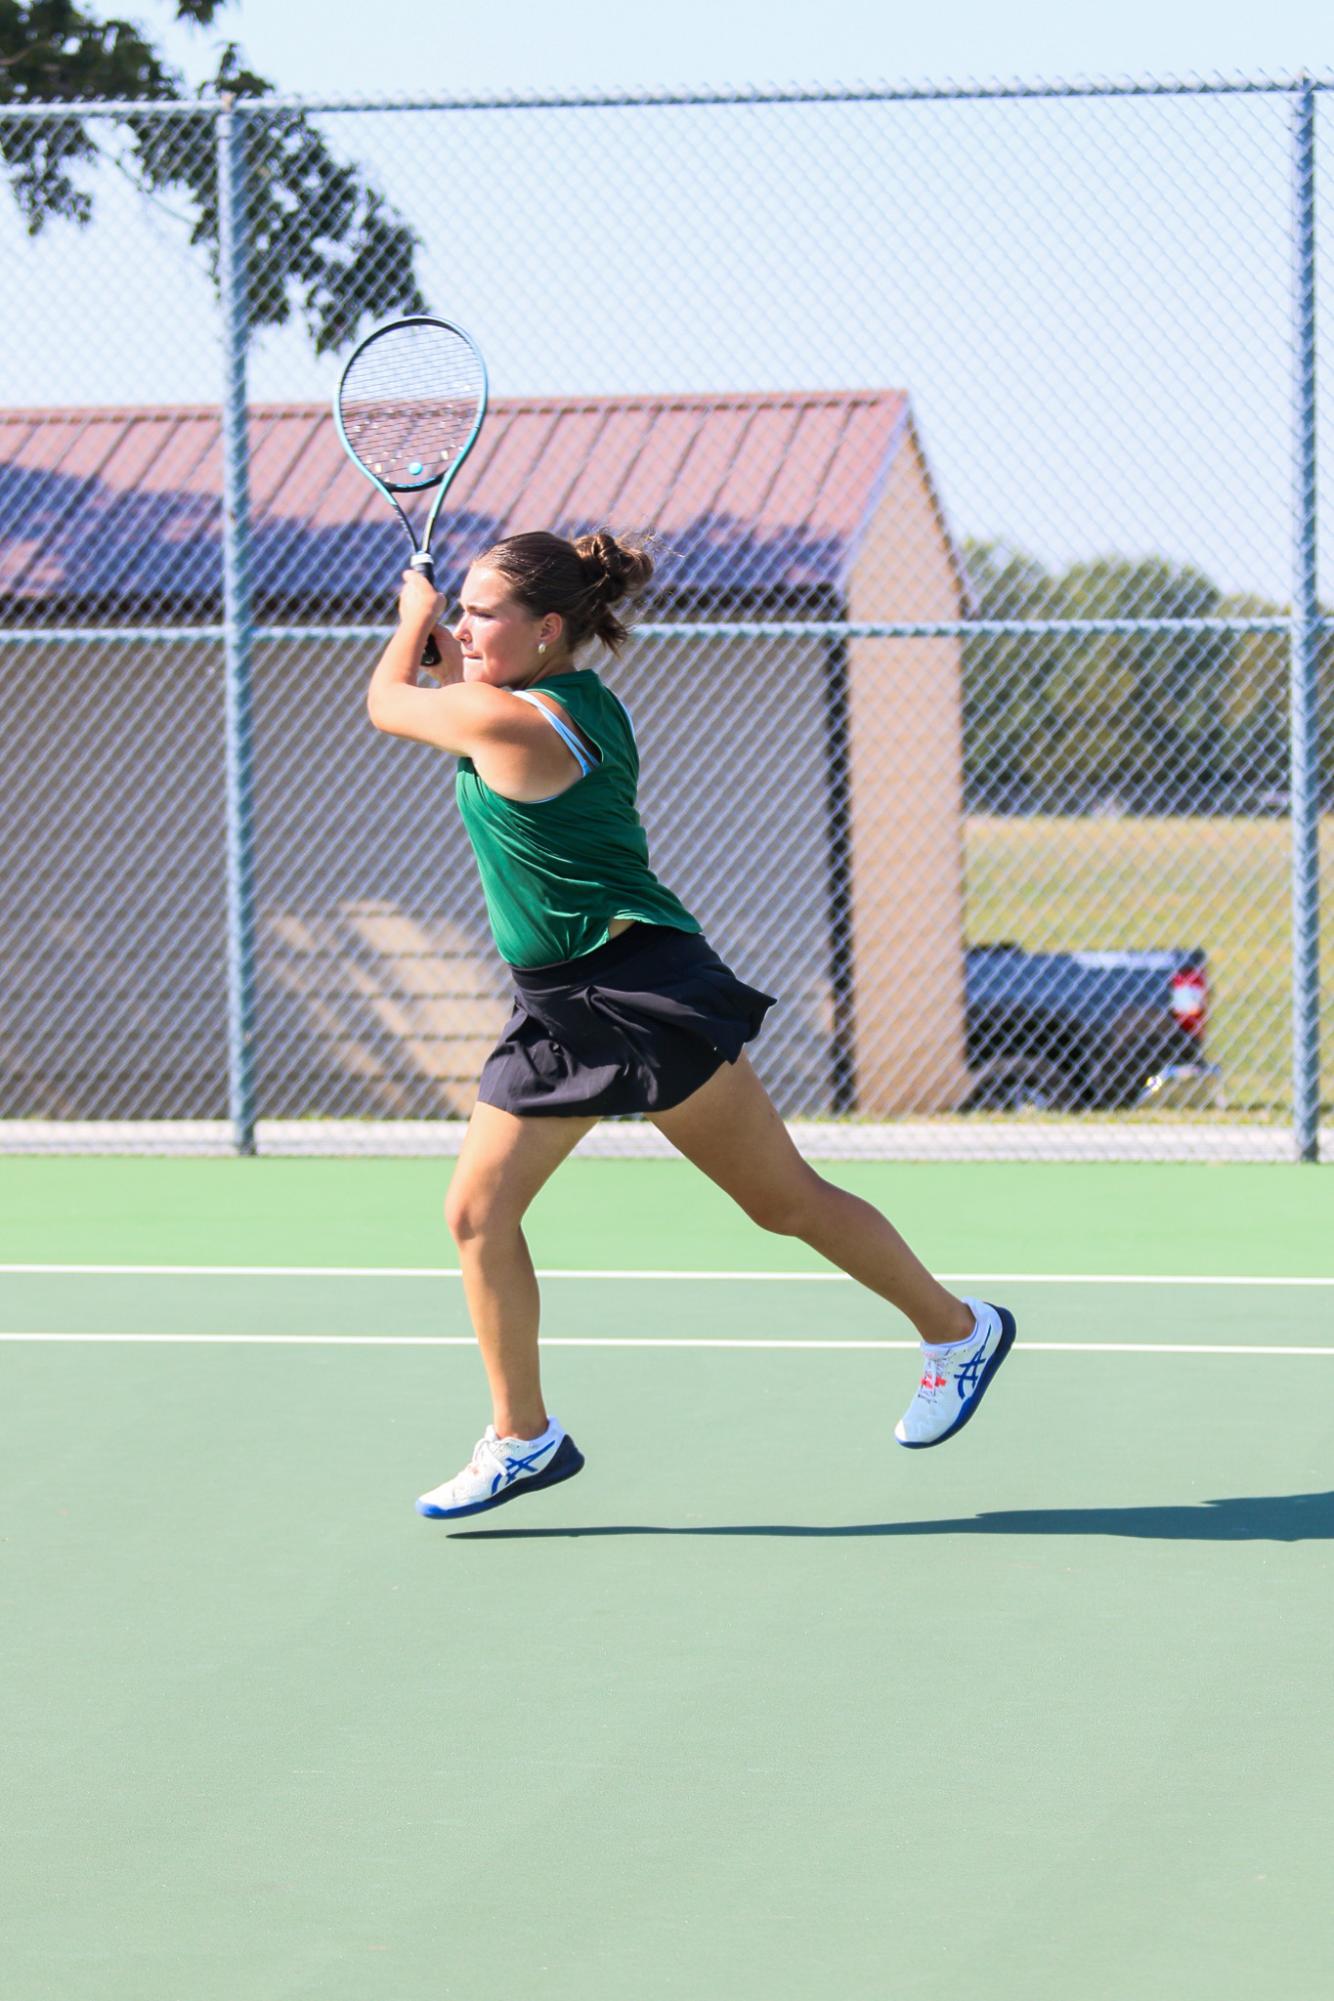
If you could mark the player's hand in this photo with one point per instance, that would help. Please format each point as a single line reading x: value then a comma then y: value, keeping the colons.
x: 449, y: 665
x: 419, y: 602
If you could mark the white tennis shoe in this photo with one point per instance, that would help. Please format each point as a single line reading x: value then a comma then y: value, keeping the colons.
x: 955, y: 1379
x: 500, y: 1468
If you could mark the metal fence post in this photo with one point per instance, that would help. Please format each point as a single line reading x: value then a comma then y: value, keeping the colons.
x: 238, y: 628
x: 838, y: 817
x: 1305, y: 644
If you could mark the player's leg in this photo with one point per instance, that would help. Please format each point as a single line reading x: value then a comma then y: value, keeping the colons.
x: 503, y: 1163
x: 731, y: 1129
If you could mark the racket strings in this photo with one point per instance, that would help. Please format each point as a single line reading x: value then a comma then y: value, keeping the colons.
x: 409, y: 403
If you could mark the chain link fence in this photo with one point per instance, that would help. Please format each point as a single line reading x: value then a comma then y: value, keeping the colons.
x: 985, y: 697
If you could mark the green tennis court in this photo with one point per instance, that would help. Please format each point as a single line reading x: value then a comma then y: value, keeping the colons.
x: 759, y: 1705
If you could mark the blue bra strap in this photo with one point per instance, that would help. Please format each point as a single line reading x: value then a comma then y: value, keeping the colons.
x: 562, y: 729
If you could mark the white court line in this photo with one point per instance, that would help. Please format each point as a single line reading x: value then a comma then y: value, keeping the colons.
x: 748, y: 1277
x: 619, y: 1341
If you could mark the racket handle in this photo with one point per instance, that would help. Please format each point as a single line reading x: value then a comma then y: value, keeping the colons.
x: 425, y: 562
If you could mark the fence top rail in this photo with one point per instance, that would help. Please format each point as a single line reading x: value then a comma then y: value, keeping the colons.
x: 947, y: 92
x: 714, y: 628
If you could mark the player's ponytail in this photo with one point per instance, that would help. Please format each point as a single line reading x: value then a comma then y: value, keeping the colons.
x: 614, y: 571
x: 581, y: 581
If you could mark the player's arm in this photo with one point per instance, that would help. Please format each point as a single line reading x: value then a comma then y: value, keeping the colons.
x: 394, y: 681
x: 515, y: 751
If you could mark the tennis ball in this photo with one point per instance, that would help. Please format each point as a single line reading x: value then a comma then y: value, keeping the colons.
x: 415, y: 467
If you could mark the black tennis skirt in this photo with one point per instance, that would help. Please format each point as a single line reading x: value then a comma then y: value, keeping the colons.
x: 634, y: 1026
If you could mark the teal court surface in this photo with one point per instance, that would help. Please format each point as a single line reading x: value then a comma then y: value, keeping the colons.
x: 760, y: 1704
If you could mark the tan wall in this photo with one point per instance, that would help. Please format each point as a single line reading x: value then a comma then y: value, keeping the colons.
x: 112, y: 944
x: 379, y: 990
x: 906, y: 811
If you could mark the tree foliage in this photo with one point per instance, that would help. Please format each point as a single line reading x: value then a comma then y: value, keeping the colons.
x: 323, y: 244
x: 1146, y: 721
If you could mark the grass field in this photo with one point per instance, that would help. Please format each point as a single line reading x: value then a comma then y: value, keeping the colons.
x: 1082, y: 884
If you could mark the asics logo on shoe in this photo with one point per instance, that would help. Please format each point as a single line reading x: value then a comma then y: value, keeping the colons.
x: 971, y: 1371
x: 514, y: 1467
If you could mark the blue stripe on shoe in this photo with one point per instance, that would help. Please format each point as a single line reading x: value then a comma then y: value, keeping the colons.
x: 1003, y: 1347
x: 566, y: 1461
x: 518, y: 1464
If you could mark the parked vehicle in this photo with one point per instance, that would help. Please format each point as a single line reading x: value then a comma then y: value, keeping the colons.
x: 1087, y: 1030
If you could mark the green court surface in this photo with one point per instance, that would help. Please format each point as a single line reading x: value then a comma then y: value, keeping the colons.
x: 760, y: 1705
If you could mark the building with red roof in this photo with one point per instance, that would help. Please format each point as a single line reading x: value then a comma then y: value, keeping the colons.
x: 803, y: 792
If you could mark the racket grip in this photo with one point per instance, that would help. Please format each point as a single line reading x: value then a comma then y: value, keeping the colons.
x: 425, y: 562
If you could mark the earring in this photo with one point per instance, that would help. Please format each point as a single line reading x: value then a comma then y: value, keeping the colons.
x: 542, y: 646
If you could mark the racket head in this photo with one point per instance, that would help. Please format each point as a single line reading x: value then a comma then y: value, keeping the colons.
x: 410, y: 403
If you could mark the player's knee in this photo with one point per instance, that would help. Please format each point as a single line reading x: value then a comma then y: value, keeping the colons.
x: 470, y: 1212
x: 784, y: 1210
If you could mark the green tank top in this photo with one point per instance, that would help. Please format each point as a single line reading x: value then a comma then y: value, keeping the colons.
x: 557, y: 872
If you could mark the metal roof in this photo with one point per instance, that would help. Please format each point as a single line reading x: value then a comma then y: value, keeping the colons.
x: 749, y: 493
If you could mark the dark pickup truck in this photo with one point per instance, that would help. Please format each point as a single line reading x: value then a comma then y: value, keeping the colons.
x: 1084, y: 1031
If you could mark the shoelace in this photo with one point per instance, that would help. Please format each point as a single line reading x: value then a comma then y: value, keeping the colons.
x: 962, y: 1369
x: 940, y: 1370
x: 487, y: 1458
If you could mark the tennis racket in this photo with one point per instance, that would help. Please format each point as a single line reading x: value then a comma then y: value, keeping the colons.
x: 408, y: 410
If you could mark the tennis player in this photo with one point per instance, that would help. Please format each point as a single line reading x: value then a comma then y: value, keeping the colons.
x: 620, y: 1004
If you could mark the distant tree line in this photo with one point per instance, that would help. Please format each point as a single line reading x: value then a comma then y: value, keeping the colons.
x: 1141, y: 723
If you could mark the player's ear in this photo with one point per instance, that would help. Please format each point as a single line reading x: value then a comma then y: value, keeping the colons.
x: 552, y: 629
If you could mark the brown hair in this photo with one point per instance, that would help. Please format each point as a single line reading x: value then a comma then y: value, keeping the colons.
x: 580, y: 580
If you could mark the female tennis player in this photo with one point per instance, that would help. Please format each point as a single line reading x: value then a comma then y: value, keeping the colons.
x: 620, y: 1004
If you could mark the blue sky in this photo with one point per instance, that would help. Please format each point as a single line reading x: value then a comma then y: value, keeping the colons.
x: 531, y: 43
x: 1088, y: 304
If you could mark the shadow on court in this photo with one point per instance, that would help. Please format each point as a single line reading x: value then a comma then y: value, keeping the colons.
x: 1253, y: 1518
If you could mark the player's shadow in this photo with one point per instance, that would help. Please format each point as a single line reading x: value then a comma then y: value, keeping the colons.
x: 1244, y: 1518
